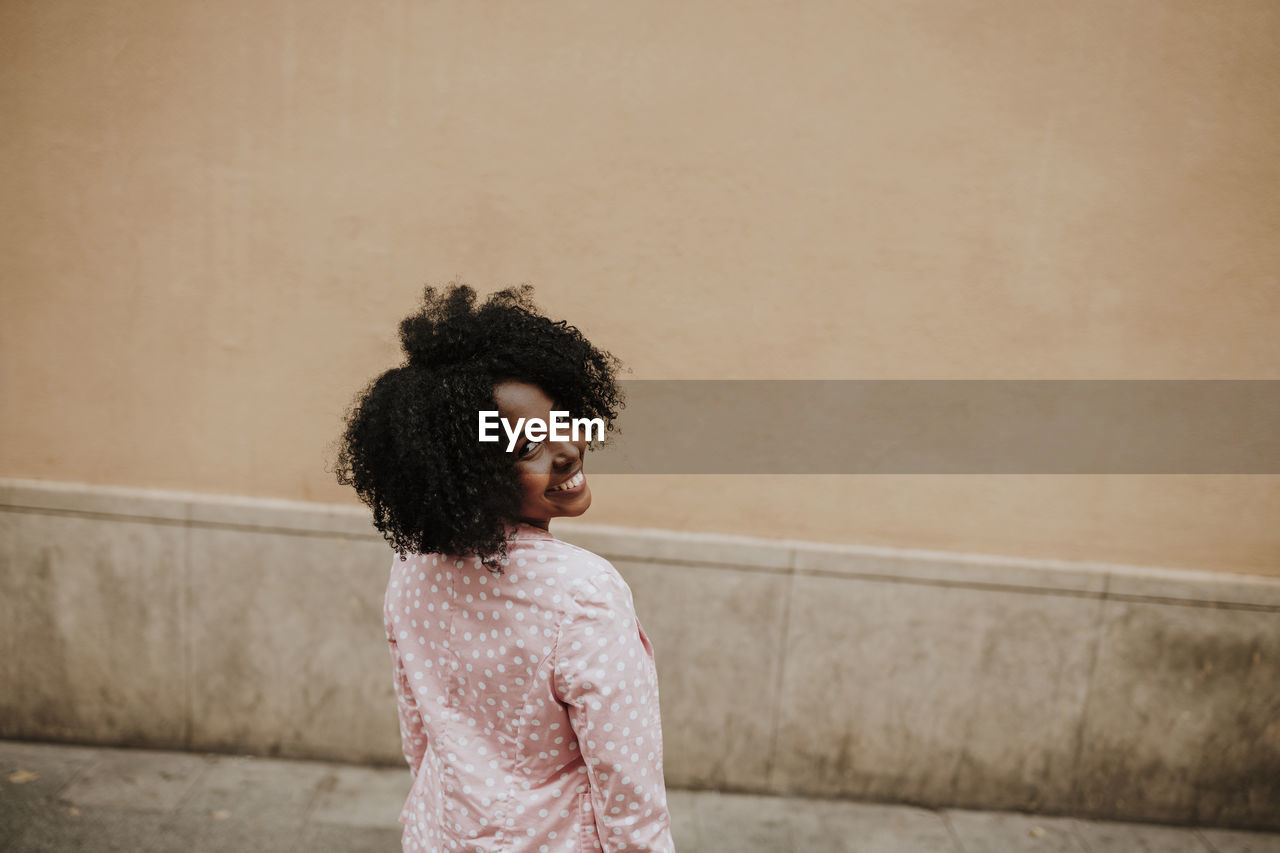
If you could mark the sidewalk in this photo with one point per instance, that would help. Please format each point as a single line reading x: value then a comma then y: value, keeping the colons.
x: 64, y: 798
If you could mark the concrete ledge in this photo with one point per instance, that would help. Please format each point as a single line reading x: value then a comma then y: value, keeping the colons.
x: 187, y: 508
x: 179, y: 620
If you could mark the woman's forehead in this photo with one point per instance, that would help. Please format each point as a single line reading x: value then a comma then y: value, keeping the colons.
x: 521, y: 399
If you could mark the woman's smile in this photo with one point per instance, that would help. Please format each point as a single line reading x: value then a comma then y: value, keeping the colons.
x: 571, y: 486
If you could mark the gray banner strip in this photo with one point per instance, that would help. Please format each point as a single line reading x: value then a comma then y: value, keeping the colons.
x: 948, y: 426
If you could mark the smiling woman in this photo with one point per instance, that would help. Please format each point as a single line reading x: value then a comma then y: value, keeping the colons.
x: 411, y: 449
x: 526, y: 687
x: 551, y: 479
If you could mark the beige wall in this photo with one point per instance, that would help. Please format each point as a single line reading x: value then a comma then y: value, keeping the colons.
x: 213, y: 217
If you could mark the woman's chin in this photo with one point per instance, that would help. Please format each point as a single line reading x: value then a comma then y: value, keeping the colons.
x: 579, y: 506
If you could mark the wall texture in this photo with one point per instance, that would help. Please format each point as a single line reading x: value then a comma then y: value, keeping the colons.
x: 211, y: 219
x: 790, y: 667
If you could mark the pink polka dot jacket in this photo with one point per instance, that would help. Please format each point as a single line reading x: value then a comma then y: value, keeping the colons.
x: 528, y: 703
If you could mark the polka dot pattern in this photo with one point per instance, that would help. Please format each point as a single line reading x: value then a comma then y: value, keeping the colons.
x: 528, y: 704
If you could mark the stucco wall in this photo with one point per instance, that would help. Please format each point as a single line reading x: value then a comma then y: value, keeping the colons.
x: 213, y: 217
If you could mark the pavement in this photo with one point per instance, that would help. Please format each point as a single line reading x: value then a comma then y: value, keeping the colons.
x: 63, y: 798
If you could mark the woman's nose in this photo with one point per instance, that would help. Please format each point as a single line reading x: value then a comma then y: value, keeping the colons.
x: 567, y: 453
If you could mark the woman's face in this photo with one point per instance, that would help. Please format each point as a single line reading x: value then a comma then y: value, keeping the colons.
x: 543, y: 465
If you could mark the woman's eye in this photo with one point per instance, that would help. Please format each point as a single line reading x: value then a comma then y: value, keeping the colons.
x: 525, y: 451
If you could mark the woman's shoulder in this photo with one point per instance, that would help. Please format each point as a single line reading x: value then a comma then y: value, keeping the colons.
x: 582, y: 573
x: 538, y: 568
x: 563, y: 557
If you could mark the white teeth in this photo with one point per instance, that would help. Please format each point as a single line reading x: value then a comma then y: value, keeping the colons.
x: 571, y: 483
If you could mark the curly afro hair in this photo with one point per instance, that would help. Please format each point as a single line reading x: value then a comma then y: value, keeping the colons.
x: 410, y: 447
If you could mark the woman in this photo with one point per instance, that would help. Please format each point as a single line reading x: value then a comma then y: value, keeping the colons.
x: 526, y: 687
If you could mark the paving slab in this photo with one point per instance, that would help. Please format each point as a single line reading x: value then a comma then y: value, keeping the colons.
x: 1011, y: 832
x: 137, y: 779
x: 321, y: 838
x: 43, y: 768
x: 61, y: 798
x: 256, y: 790
x: 361, y: 796
x: 1234, y: 841
x: 99, y: 829
x: 684, y: 819
x: 201, y: 834
x: 1109, y: 837
x: 31, y: 774
x: 742, y: 823
x: 835, y: 825
x: 747, y: 823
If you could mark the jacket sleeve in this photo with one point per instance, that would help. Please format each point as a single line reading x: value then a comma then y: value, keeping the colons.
x: 413, y: 736
x: 605, y: 675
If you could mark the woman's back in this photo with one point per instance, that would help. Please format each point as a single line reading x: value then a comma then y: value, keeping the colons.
x: 528, y: 703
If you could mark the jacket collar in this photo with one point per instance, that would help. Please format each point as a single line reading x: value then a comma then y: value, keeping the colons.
x: 524, y: 530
